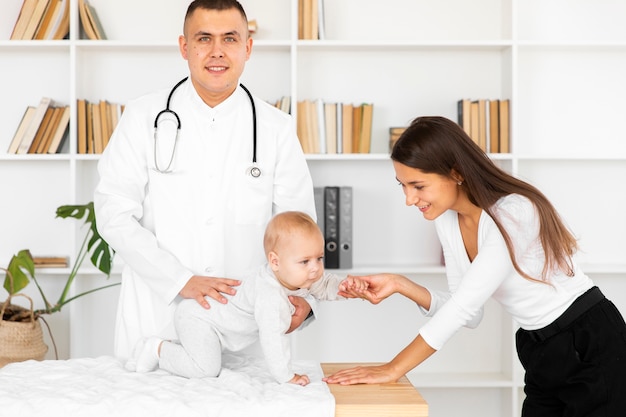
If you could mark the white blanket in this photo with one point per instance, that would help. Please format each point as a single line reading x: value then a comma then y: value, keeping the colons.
x: 102, y: 387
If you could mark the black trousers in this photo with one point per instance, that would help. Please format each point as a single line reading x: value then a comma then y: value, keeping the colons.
x: 576, y: 366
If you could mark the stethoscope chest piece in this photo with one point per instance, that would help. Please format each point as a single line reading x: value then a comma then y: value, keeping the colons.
x: 254, y: 171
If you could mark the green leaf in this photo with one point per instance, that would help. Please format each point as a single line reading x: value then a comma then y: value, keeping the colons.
x: 102, y: 253
x: 19, y: 265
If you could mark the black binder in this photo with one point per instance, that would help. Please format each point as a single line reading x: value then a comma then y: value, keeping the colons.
x: 331, y: 227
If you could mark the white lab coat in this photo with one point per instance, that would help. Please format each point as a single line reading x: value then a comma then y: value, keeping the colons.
x: 207, y: 217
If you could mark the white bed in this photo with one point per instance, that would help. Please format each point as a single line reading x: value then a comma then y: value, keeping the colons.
x: 95, y: 387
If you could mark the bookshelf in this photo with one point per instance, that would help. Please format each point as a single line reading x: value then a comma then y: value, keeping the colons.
x: 560, y: 63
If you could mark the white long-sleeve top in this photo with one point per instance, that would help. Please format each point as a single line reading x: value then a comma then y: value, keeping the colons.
x: 533, y: 305
x: 261, y: 311
x: 208, y: 216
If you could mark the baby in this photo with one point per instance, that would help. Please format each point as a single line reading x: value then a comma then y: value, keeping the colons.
x: 260, y: 310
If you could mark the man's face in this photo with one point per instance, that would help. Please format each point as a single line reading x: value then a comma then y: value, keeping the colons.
x: 216, y: 46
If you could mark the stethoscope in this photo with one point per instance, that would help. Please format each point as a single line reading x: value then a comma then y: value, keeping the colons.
x: 253, y: 171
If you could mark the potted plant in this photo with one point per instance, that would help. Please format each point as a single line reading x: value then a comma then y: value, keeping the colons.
x: 21, y: 271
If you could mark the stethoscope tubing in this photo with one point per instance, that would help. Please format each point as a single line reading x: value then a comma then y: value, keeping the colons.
x: 254, y: 170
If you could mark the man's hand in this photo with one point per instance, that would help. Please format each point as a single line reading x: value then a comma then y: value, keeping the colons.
x: 302, y: 311
x: 198, y: 287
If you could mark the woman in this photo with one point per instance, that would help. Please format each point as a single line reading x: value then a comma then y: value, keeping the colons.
x: 502, y: 238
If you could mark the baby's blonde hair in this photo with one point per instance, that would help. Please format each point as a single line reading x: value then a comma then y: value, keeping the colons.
x: 284, y: 224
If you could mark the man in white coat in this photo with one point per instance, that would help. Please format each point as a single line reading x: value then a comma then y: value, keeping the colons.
x: 188, y: 216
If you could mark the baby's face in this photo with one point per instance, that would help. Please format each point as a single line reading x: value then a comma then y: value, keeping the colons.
x: 300, y: 260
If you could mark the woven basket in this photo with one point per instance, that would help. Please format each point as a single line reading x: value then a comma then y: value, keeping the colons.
x: 20, y: 341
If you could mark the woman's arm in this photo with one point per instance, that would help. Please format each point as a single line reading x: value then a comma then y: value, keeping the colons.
x: 381, y: 286
x: 411, y: 356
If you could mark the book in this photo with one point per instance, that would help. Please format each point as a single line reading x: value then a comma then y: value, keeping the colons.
x: 365, y: 140
x: 115, y: 111
x: 504, y: 126
x: 306, y: 10
x: 94, y: 21
x: 345, y: 227
x: 61, y: 132
x: 474, y: 124
x: 31, y: 132
x: 320, y: 125
x: 81, y: 125
x: 321, y: 25
x: 21, y: 129
x: 300, y: 19
x: 339, y: 126
x: 314, y: 25
x: 96, y: 117
x: 90, y: 23
x: 61, y: 25
x: 357, y: 117
x: 90, y: 128
x: 302, y: 128
x: 312, y: 125
x: 35, y: 19
x: 482, y: 124
x: 347, y: 111
x: 45, y: 27
x: 23, y: 19
x: 331, y: 227
x: 105, y: 122
x: 494, y: 126
x: 330, y: 120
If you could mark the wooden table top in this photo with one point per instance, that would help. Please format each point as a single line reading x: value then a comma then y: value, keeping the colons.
x: 380, y: 400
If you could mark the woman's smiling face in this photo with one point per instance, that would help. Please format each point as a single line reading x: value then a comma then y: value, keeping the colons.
x: 432, y: 194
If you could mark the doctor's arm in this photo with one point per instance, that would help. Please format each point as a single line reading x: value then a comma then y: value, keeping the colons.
x: 304, y: 312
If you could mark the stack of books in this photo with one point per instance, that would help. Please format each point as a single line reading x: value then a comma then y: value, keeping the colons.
x: 487, y: 122
x: 42, y: 20
x: 334, y: 128
x: 42, y: 130
x: 95, y: 124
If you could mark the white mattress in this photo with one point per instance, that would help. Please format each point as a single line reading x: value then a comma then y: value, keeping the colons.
x: 94, y: 387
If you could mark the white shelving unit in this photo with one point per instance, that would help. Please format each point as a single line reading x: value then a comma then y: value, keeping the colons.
x: 560, y: 62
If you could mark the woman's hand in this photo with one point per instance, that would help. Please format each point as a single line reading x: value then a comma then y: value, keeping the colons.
x: 374, y: 288
x: 199, y: 286
x: 379, y: 374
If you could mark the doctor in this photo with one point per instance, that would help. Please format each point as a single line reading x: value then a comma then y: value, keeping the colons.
x: 186, y: 208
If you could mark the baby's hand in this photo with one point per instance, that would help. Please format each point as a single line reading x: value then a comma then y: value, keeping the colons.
x: 353, y: 287
x: 300, y: 380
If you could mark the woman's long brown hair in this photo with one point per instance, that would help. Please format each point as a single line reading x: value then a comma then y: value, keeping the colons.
x: 440, y: 146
